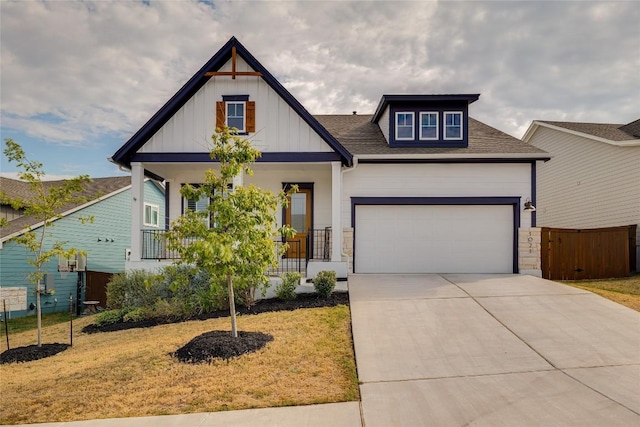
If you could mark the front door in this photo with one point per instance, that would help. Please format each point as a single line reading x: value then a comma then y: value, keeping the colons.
x: 298, y: 216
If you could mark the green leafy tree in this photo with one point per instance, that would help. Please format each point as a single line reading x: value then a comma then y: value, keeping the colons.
x: 44, y: 206
x: 233, y: 239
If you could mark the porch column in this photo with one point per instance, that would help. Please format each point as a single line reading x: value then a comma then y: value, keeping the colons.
x: 336, y: 212
x: 137, y: 209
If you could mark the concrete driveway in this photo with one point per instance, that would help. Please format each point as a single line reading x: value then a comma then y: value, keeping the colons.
x: 462, y: 349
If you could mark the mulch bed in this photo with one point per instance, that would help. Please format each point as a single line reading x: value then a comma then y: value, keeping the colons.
x: 220, y: 345
x: 310, y: 300
x: 31, y: 352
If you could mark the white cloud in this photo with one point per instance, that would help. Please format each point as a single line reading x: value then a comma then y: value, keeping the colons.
x: 105, y: 67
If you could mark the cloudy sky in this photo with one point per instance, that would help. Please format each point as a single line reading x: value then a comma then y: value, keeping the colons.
x: 78, y: 78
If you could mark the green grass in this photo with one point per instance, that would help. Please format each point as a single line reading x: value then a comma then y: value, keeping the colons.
x: 28, y: 323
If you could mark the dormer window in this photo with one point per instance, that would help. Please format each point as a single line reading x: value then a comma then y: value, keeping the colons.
x: 404, y: 126
x: 429, y: 126
x: 425, y: 121
x: 453, y: 125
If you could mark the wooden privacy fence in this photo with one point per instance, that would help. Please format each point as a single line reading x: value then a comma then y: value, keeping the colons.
x: 573, y: 254
x: 97, y: 287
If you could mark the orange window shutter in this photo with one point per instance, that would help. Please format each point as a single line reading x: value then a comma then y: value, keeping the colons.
x: 220, y: 115
x: 251, y: 116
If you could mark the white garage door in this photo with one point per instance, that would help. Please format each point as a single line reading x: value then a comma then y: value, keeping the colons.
x: 434, y: 239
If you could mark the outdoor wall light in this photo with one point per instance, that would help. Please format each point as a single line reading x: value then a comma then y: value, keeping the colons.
x: 528, y: 206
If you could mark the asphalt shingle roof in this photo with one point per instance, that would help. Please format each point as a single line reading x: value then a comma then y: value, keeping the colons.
x: 97, y: 188
x: 360, y: 136
x: 610, y: 131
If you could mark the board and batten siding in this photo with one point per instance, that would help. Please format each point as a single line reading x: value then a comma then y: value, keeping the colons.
x: 278, y: 127
x: 112, y: 220
x: 437, y: 180
x: 587, y: 183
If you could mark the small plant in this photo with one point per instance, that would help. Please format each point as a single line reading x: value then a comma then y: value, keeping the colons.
x: 286, y: 290
x: 325, y: 282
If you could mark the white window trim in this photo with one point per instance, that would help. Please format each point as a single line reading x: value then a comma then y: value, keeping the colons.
x: 244, y: 114
x: 155, y: 208
x: 413, y: 125
x: 424, y: 138
x: 444, y: 125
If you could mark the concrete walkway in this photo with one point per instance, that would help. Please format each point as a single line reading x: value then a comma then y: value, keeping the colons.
x: 458, y: 350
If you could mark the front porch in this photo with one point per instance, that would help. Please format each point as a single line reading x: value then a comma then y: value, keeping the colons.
x: 316, y: 247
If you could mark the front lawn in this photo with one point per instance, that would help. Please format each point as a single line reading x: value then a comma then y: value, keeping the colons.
x: 131, y: 373
x: 625, y: 291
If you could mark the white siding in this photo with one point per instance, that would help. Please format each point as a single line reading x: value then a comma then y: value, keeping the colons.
x: 271, y: 178
x: 437, y: 180
x: 384, y: 124
x: 587, y: 184
x: 278, y: 127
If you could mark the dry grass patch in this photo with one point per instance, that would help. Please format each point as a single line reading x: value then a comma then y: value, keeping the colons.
x: 131, y: 373
x: 625, y: 291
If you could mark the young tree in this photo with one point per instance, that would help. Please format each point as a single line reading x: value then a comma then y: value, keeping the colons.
x: 233, y: 238
x: 44, y: 206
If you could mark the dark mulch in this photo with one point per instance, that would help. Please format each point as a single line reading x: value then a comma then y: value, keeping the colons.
x: 262, y: 306
x: 221, y: 345
x: 31, y: 352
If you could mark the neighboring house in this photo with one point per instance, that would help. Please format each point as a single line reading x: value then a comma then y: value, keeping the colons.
x: 593, y: 180
x: 418, y: 186
x: 105, y: 241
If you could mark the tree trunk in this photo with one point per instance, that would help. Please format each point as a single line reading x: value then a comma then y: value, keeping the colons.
x: 39, y: 315
x: 232, y: 307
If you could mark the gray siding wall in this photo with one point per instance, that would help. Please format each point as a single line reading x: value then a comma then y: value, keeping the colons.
x: 587, y: 184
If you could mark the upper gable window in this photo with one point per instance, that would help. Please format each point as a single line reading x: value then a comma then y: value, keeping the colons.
x: 404, y: 126
x: 236, y: 115
x: 428, y: 125
x: 236, y: 111
x: 453, y: 125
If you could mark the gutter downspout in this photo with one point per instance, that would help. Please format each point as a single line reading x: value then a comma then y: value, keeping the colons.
x: 352, y: 168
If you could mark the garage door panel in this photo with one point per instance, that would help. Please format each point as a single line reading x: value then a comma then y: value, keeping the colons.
x: 434, y: 239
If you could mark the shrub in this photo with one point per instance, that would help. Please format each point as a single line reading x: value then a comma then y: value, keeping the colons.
x: 325, y: 282
x: 108, y: 317
x: 135, y: 288
x: 136, y: 315
x: 286, y: 290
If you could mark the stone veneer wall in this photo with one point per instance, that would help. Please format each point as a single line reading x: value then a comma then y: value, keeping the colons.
x: 347, y: 247
x: 529, y: 247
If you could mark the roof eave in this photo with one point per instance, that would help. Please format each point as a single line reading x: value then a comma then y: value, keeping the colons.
x: 536, y: 124
x: 387, y: 99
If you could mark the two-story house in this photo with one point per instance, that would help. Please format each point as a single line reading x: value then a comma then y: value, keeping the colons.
x: 417, y: 186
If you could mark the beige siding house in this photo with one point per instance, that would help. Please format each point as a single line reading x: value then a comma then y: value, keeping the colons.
x: 593, y: 179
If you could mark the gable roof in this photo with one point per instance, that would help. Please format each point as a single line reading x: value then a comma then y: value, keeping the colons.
x: 362, y: 137
x: 97, y: 190
x: 199, y: 79
x: 610, y: 133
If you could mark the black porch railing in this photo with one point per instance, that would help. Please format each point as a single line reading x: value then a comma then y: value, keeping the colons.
x: 316, y: 246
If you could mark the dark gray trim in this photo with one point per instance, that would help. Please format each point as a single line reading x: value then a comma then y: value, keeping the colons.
x: 167, y: 197
x: 452, y: 160
x: 237, y: 98
x: 271, y: 157
x: 429, y: 100
x: 426, y: 201
x: 533, y: 192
